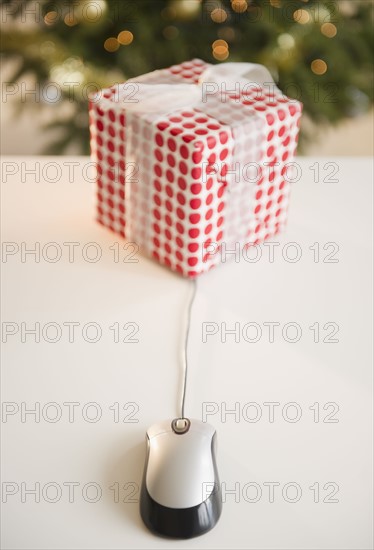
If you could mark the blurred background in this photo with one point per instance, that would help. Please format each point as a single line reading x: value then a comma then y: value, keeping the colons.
x: 54, y: 54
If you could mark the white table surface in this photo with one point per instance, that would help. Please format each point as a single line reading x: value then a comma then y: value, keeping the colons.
x: 250, y: 454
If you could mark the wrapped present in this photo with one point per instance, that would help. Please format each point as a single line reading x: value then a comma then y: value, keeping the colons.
x: 194, y: 160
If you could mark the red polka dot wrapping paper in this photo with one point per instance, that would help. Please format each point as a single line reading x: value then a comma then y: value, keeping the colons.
x: 187, y: 181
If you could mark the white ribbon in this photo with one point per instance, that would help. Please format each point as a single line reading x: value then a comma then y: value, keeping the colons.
x: 166, y: 98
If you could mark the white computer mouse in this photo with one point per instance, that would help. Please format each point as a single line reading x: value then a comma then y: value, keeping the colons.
x: 181, y: 493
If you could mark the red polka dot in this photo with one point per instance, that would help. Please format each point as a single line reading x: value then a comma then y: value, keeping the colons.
x: 170, y: 160
x: 158, y: 170
x: 156, y: 228
x: 270, y: 190
x: 220, y: 191
x: 111, y: 146
x: 281, y: 131
x: 188, y: 137
x: 193, y: 247
x: 292, y: 110
x: 168, y: 205
x: 157, y: 214
x: 223, y: 154
x: 179, y: 255
x: 159, y: 155
x: 183, y: 167
x: 194, y: 218
x: 211, y: 141
x: 180, y: 213
x: 268, y: 205
x: 196, y: 173
x: 258, y: 195
x: 163, y: 125
x: 182, y: 183
x: 209, y: 199
x: 270, y: 119
x: 100, y: 125
x: 196, y: 188
x: 192, y: 261
x: 175, y: 119
x: 208, y: 229
x: 184, y: 151
x: 209, y: 214
x: 169, y: 176
x: 209, y: 183
x: 221, y: 206
x: 194, y: 233
x: 179, y: 242
x: 169, y: 191
x: 197, y: 157
x: 171, y: 144
x: 219, y: 235
x: 195, y: 203
x: 181, y: 198
x: 159, y: 140
x: 223, y: 137
x: 180, y: 228
x: 156, y: 242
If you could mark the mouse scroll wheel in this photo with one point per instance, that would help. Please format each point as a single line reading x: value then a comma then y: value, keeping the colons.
x: 180, y: 425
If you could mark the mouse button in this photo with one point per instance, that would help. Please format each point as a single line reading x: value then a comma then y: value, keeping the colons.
x: 159, y: 429
x: 203, y: 428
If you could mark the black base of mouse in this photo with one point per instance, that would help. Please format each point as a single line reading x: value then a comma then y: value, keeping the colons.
x: 180, y: 523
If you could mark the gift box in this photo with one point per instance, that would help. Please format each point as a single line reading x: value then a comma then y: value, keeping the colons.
x: 194, y: 162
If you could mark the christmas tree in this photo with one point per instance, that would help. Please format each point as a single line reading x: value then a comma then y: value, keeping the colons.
x: 317, y: 51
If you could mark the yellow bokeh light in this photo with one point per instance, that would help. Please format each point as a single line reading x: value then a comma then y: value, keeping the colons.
x: 125, y: 38
x: 228, y: 33
x: 220, y: 55
x: 286, y: 41
x: 319, y: 66
x: 218, y: 15
x: 70, y: 20
x: 275, y: 3
x: 51, y: 17
x: 220, y: 50
x: 111, y: 44
x: 218, y: 43
x: 239, y: 6
x: 329, y: 30
x: 301, y: 16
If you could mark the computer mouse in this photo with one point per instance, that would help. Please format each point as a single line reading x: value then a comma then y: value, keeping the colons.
x: 181, y: 494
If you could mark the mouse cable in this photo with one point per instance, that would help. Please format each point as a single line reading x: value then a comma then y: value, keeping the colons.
x: 185, y: 352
